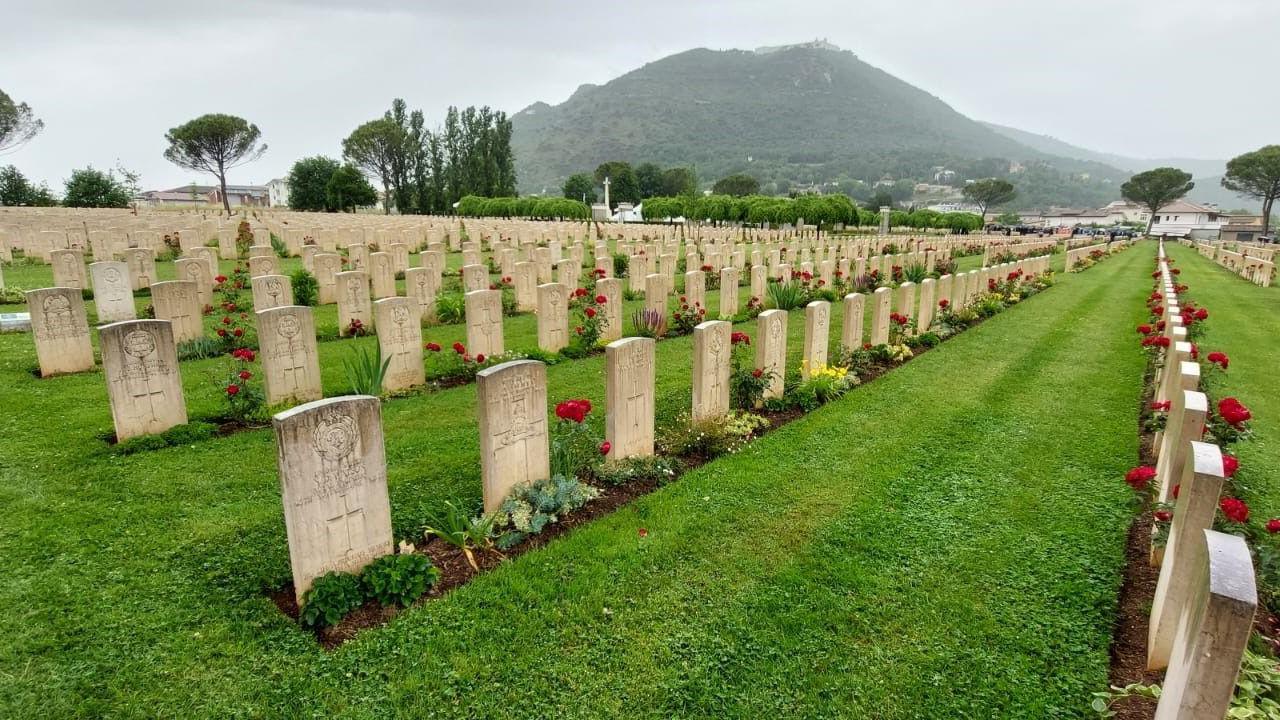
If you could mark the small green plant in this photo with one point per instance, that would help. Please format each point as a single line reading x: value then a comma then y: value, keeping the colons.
x: 330, y: 598
x: 649, y: 468
x: 306, y: 289
x: 366, y: 371
x: 399, y: 579
x: 278, y: 247
x: 451, y: 308
x: 201, y: 348
x: 915, y: 273
x: 530, y: 508
x: 709, y: 438
x: 458, y: 526
x: 12, y: 296
x: 620, y: 263
x: 785, y: 296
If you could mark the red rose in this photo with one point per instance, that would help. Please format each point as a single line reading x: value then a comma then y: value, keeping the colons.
x: 1175, y: 490
x: 1234, y: 509
x: 1163, y: 516
x: 1144, y: 329
x: 1160, y: 406
x: 740, y: 338
x: 600, y: 299
x: 1220, y: 359
x: 459, y: 348
x: 493, y: 286
x: 605, y: 447
x: 1230, y: 463
x: 1139, y: 477
x: 590, y: 312
x: 757, y: 373
x: 237, y: 332
x: 226, y: 320
x: 578, y: 329
x: 245, y: 374
x: 1273, y: 525
x: 480, y: 357
x: 1195, y: 351
x: 580, y: 292
x: 574, y: 410
x: 220, y: 279
x: 466, y: 358
x: 233, y: 389
x: 433, y: 347
x: 1233, y: 412
x: 222, y: 333
x: 944, y: 304
x: 1160, y: 325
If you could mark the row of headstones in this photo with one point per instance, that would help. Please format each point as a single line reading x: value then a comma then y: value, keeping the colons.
x: 1204, y: 603
x: 332, y: 463
x: 1253, y: 268
x: 1018, y: 249
x: 1077, y: 254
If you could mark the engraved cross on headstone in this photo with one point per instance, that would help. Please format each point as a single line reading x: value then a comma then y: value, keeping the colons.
x: 344, y: 527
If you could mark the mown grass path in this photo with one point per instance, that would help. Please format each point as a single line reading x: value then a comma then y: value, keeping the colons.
x: 1244, y: 322
x: 944, y: 542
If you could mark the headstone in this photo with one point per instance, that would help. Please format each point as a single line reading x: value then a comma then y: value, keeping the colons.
x: 629, y: 389
x: 817, y: 327
x: 771, y: 349
x: 924, y: 317
x: 179, y: 302
x: 142, y: 267
x: 514, y: 445
x: 358, y: 256
x: 695, y: 289
x: 271, y: 291
x: 328, y: 265
x: 526, y: 282
x: 60, y: 329
x: 475, y: 277
x: 759, y: 282
x: 112, y: 295
x: 264, y: 265
x: 851, y: 322
x: 140, y: 362
x: 553, y: 317
x: 611, y: 289
x: 196, y: 270
x: 382, y: 275
x: 484, y: 323
x: 333, y: 477
x: 290, y: 363
x: 906, y: 301
x: 1197, y: 504
x: 711, y: 368
x: 880, y: 316
x: 68, y: 269
x: 655, y: 293
x: 421, y: 286
x: 728, y: 292
x: 1213, y: 633
x: 400, y: 339
x: 353, y: 300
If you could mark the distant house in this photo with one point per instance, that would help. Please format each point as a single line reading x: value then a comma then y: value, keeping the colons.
x: 1069, y: 217
x: 278, y: 192
x: 1187, y: 219
x: 1241, y: 228
x: 186, y: 195
x: 241, y: 196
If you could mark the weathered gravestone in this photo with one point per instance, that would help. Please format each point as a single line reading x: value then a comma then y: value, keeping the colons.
x: 817, y: 326
x: 728, y: 292
x: 629, y: 389
x: 382, y: 274
x: 611, y: 289
x: 328, y: 265
x: 178, y: 302
x: 851, y: 322
x: 287, y: 347
x: 400, y: 339
x: 263, y: 265
x: 514, y: 447
x: 333, y: 479
x: 60, y: 329
x: 68, y: 268
x: 112, y: 294
x: 421, y: 285
x: 553, y: 317
x: 271, y: 291
x: 526, y: 282
x: 354, y: 303
x: 140, y: 362
x: 711, y: 368
x: 475, y: 277
x: 484, y: 322
x: 880, y: 316
x: 771, y: 349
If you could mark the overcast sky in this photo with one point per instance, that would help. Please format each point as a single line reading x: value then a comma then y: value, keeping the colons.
x: 1143, y: 78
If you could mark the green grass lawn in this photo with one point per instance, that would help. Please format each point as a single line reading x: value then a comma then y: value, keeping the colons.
x: 1244, y: 322
x: 944, y: 542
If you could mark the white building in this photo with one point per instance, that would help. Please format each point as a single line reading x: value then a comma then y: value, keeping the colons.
x: 1187, y: 219
x: 278, y: 193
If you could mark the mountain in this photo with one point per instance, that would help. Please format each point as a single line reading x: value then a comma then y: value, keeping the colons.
x: 1198, y: 167
x: 786, y: 115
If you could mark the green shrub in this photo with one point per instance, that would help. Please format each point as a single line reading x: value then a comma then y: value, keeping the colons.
x: 620, y: 262
x: 202, y: 348
x: 330, y: 598
x: 306, y: 289
x: 399, y: 579
x: 710, y: 438
x: 12, y: 296
x: 785, y: 296
x: 458, y: 526
x: 451, y: 308
x: 530, y: 508
x: 366, y: 371
x: 915, y: 273
x: 278, y: 247
x: 632, y: 469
